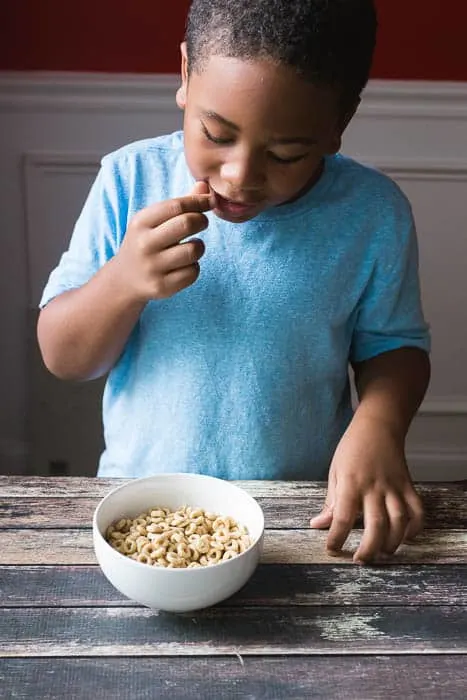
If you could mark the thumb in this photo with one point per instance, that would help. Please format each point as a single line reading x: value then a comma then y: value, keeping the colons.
x: 200, y: 187
x: 324, y: 519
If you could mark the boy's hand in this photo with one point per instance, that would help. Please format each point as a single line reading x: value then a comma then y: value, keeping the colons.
x: 153, y: 262
x: 369, y: 475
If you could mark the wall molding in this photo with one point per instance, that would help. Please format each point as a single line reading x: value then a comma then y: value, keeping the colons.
x: 425, y: 169
x: 78, y: 92
x: 444, y: 406
x: 439, y: 464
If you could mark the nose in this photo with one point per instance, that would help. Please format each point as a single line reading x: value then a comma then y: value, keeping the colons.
x: 244, y: 172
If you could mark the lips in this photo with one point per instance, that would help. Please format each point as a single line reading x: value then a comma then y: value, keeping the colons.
x: 235, y: 208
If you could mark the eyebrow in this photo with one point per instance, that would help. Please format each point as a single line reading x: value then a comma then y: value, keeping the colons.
x: 286, y: 140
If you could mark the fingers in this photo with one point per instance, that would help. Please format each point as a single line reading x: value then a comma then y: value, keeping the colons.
x: 389, y: 521
x: 161, y: 212
x: 179, y: 279
x: 181, y: 255
x: 398, y: 519
x: 323, y: 520
x: 376, y: 528
x: 200, y: 187
x: 343, y: 519
x: 416, y: 514
x: 173, y: 231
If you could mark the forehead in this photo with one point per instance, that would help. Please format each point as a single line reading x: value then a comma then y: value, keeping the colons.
x: 262, y: 93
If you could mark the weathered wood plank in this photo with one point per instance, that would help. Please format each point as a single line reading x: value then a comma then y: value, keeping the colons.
x: 76, y: 487
x: 53, y: 487
x: 222, y: 630
x: 280, y: 547
x: 249, y: 678
x: 271, y: 585
x: 291, y: 512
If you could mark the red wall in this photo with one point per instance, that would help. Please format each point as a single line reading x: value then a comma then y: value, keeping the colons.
x: 419, y: 39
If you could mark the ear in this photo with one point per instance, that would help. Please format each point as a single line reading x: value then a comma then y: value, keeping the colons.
x: 182, y: 90
x: 336, y: 140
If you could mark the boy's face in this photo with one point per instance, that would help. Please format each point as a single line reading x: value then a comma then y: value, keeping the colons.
x: 255, y: 132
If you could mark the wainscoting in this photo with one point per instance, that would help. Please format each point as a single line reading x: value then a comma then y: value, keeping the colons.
x: 54, y: 129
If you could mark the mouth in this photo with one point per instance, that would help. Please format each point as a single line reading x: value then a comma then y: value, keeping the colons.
x: 234, y: 208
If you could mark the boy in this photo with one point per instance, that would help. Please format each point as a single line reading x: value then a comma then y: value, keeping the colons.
x: 238, y: 366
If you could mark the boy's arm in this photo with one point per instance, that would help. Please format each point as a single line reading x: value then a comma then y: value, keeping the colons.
x: 369, y: 473
x: 82, y: 332
x: 391, y: 387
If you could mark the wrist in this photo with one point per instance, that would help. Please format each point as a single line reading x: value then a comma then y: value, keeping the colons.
x: 127, y: 293
x: 370, y: 417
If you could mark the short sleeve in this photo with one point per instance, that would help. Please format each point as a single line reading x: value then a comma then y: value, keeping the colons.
x: 96, y: 236
x: 390, y: 314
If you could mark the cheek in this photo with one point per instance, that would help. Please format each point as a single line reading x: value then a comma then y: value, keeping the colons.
x: 199, y: 159
x: 289, y: 181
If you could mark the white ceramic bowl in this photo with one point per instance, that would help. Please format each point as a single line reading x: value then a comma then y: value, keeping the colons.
x: 177, y: 590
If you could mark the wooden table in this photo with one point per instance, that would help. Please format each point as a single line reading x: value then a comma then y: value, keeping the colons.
x: 305, y: 626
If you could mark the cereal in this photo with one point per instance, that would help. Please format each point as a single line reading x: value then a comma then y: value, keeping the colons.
x: 186, y: 538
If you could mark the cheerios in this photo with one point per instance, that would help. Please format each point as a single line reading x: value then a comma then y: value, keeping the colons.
x: 185, y: 538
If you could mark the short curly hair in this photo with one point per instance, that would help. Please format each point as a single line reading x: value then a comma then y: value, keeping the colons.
x: 328, y: 42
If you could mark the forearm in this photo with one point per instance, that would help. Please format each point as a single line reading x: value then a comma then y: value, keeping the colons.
x: 82, y: 332
x: 391, y: 387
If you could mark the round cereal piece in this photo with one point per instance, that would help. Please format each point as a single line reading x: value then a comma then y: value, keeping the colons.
x: 183, y: 550
x: 143, y: 559
x: 203, y: 545
x: 149, y: 550
x: 172, y: 557
x: 129, y: 545
x: 219, y: 546
x: 232, y: 546
x: 220, y: 522
x: 194, y: 554
x: 196, y: 513
x: 213, y: 556
x: 222, y: 534
x: 229, y: 554
x: 121, y: 524
x: 157, y: 513
x: 235, y: 533
x: 176, y: 537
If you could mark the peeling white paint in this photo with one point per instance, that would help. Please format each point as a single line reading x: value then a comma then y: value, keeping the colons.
x: 349, y: 627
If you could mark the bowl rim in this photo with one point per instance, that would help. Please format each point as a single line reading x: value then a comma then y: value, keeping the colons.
x: 129, y: 482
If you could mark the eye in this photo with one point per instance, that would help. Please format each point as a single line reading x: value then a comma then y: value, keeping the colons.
x: 288, y: 161
x: 214, y: 139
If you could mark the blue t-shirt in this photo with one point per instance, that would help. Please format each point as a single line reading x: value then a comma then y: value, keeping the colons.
x: 244, y: 375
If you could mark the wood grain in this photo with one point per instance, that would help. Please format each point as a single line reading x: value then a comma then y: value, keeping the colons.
x: 280, y: 512
x: 74, y: 546
x: 219, y: 631
x: 234, y: 678
x: 271, y: 585
x: 86, y: 487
